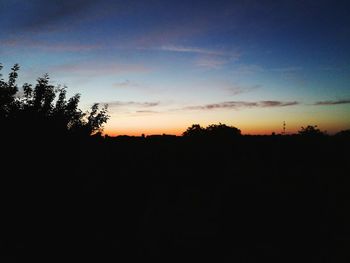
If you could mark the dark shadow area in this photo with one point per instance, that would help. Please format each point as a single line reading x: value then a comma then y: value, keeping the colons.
x: 212, y: 194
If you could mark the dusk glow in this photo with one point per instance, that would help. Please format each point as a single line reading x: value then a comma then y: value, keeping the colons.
x: 163, y: 65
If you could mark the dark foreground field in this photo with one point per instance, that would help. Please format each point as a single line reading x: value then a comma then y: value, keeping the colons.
x: 174, y: 199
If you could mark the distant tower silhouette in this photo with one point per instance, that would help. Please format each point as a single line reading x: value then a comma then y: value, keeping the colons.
x: 284, y: 128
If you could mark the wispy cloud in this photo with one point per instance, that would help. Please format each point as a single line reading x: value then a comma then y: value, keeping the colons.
x: 236, y: 90
x: 44, y: 46
x: 99, y: 69
x: 273, y: 103
x: 207, y: 58
x: 287, y: 69
x: 242, y: 104
x: 332, y: 102
x: 198, y: 50
x: 211, y: 62
x: 125, y: 83
x: 147, y: 111
x: 132, y: 103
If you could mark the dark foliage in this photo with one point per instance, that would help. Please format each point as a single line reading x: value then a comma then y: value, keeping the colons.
x: 45, y: 109
x: 194, y: 130
x: 343, y: 133
x: 212, y: 131
x: 310, y: 131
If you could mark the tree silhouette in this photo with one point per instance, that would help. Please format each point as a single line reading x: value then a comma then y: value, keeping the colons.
x: 194, y: 130
x: 344, y: 133
x: 213, y: 130
x: 46, y: 108
x: 310, y: 131
x: 222, y: 130
x: 8, y: 91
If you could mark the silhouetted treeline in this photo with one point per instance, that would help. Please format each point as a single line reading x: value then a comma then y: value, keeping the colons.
x: 221, y: 196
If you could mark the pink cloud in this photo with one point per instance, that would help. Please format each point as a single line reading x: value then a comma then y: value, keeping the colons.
x: 242, y: 104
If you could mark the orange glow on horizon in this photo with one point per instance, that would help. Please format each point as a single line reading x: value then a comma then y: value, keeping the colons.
x: 257, y: 121
x: 247, y: 130
x: 178, y: 132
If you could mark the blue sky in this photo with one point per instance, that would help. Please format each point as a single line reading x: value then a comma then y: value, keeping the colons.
x: 163, y: 65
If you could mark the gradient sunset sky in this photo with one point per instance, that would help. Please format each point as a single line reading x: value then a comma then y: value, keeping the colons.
x: 164, y: 65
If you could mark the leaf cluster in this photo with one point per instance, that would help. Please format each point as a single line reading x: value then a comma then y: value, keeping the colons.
x: 46, y: 108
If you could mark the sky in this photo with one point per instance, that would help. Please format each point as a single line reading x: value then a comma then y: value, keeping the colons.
x: 162, y: 66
